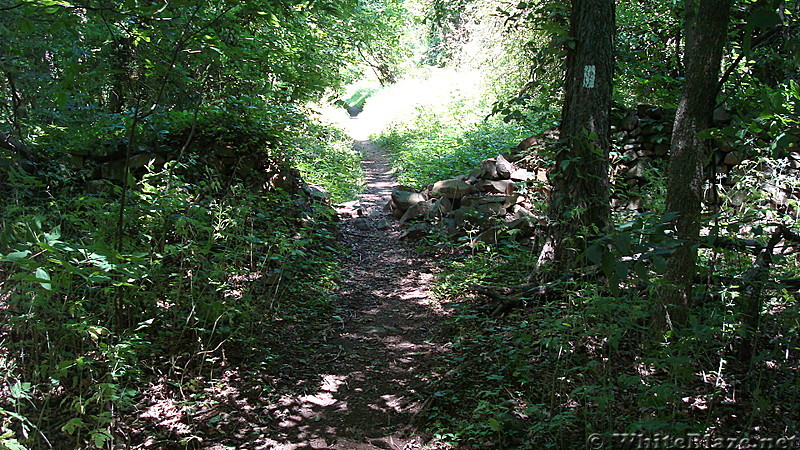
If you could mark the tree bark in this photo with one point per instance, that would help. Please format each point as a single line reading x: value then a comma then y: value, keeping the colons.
x: 579, y: 199
x: 706, y: 25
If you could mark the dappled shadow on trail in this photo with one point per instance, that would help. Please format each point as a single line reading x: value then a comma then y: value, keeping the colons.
x: 367, y: 376
x: 354, y: 378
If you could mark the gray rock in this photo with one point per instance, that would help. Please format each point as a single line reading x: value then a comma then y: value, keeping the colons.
x: 452, y: 188
x: 513, y: 199
x: 629, y: 155
x: 405, y: 197
x: 629, y: 122
x: 489, y: 169
x: 440, y: 208
x: 497, y: 186
x: 653, y: 111
x: 384, y: 224
x: 416, y: 211
x: 522, y: 175
x: 318, y: 193
x: 528, y: 143
x: 397, y: 213
x: 661, y: 149
x: 477, y: 201
x: 733, y: 158
x: 638, y: 171
x: 478, y: 217
x: 521, y: 212
x: 722, y: 117
x: 361, y: 223
x: 504, y: 167
x: 416, y: 231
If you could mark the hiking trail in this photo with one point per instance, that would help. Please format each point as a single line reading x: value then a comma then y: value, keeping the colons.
x: 373, y: 371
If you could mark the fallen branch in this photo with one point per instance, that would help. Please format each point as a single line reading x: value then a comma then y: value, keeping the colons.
x: 8, y: 142
x: 752, y: 287
x: 508, y: 298
x: 749, y: 245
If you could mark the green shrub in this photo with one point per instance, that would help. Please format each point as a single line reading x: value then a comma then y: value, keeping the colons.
x: 326, y: 157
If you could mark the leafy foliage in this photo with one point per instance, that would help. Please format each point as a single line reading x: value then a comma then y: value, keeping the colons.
x: 327, y: 158
x: 86, y: 312
x: 155, y: 217
x: 154, y: 225
x: 437, y: 129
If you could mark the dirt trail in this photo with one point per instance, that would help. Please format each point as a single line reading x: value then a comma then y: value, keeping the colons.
x: 386, y: 342
x: 351, y: 378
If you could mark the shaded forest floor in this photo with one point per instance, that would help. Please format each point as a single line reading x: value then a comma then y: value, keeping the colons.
x: 353, y: 380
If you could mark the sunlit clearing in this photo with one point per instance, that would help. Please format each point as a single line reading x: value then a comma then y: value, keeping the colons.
x: 432, y: 89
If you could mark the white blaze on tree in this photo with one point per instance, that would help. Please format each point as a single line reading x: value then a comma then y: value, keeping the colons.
x: 588, y: 77
x: 579, y: 200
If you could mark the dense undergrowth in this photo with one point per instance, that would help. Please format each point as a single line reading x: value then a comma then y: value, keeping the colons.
x: 558, y: 370
x: 208, y: 256
x: 115, y: 283
x: 585, y: 360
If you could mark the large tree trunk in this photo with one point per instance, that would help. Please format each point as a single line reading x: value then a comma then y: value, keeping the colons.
x: 706, y: 25
x: 579, y: 198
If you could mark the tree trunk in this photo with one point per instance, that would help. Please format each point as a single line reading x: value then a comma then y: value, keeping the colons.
x: 706, y: 25
x: 579, y: 200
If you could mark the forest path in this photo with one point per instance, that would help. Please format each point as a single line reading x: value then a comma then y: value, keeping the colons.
x: 373, y: 370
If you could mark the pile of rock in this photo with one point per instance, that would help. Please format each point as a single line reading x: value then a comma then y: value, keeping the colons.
x: 485, y: 204
x: 494, y: 199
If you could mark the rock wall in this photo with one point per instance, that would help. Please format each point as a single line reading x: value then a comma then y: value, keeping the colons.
x: 497, y: 199
x: 640, y: 141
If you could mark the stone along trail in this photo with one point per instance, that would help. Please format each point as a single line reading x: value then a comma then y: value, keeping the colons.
x: 372, y: 371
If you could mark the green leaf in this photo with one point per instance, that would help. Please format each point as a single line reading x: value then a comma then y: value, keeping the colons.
x: 25, y: 26
x: 44, y: 279
x: 669, y: 217
x: 641, y: 270
x: 72, y: 425
x: 594, y: 253
x: 15, y: 256
x: 608, y: 264
x: 621, y: 270
x: 494, y: 424
x: 98, y: 278
x: 11, y: 444
x: 53, y: 236
x: 20, y: 390
x: 55, y: 3
x: 708, y: 133
x: 100, y: 437
x: 659, y: 263
x: 623, y: 243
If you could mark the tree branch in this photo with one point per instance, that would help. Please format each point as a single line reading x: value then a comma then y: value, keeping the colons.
x: 9, y: 8
x: 761, y: 39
